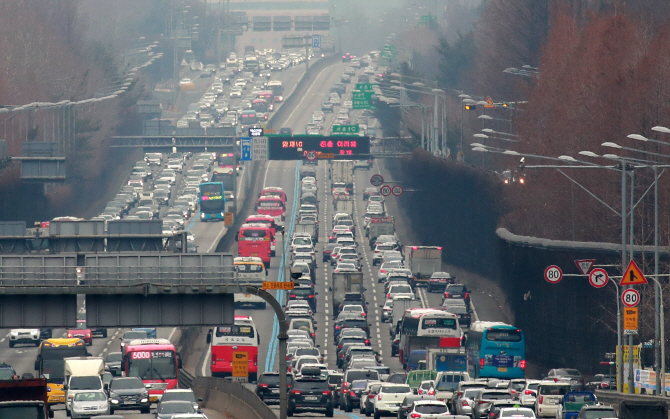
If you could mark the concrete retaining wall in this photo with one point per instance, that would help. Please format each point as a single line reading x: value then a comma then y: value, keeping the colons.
x: 231, y: 399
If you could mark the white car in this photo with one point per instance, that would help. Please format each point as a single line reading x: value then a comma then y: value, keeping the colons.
x: 429, y: 409
x: 390, y: 398
x: 516, y: 412
x: 385, y: 268
x: 236, y: 93
x: 89, y: 403
x: 27, y: 336
x: 400, y: 289
x: 549, y: 395
x: 528, y: 394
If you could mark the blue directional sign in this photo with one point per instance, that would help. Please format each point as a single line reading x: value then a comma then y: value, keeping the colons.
x: 245, y: 144
x: 316, y: 41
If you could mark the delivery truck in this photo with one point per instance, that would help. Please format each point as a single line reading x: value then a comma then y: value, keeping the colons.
x: 423, y: 261
x: 82, y: 374
x: 345, y: 287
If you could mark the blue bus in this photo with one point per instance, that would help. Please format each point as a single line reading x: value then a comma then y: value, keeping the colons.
x: 496, y: 350
x: 212, y: 201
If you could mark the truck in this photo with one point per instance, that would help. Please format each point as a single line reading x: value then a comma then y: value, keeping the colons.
x: 447, y: 359
x: 309, y: 228
x: 344, y: 283
x: 249, y: 50
x: 24, y: 399
x: 343, y: 204
x: 423, y: 261
x: 379, y: 226
x: 342, y: 171
x: 82, y: 374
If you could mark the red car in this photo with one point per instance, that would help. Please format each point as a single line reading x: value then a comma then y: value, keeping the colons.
x: 81, y: 332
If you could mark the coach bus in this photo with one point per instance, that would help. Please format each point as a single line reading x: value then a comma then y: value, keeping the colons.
x: 423, y: 328
x: 496, y: 350
x: 240, y: 339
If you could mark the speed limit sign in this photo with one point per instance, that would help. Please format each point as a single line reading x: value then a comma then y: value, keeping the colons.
x: 553, y: 274
x: 630, y: 297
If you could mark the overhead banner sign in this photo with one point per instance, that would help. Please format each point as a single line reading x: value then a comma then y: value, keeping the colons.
x: 297, y: 147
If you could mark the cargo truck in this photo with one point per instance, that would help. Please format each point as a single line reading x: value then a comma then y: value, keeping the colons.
x: 342, y: 171
x: 423, y: 261
x: 343, y: 285
x: 24, y: 399
x: 309, y: 228
x: 343, y: 204
x: 82, y: 374
x: 379, y: 226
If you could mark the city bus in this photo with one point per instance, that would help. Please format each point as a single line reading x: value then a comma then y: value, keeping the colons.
x: 212, y: 201
x: 261, y: 107
x: 241, y: 339
x: 226, y: 176
x: 271, y: 205
x: 496, y: 350
x: 255, y: 239
x: 155, y: 361
x: 270, y: 222
x: 50, y: 365
x: 274, y: 191
x: 277, y: 90
x: 423, y: 328
x: 250, y: 271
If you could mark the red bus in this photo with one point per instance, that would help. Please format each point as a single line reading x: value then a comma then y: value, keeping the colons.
x: 271, y: 205
x: 269, y: 98
x: 274, y: 191
x: 270, y: 222
x: 227, y: 341
x: 255, y: 239
x: 155, y: 361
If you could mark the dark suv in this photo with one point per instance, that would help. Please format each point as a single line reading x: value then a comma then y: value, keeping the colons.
x: 267, y: 388
x: 335, y: 384
x: 457, y: 291
x: 128, y: 393
x: 311, y: 393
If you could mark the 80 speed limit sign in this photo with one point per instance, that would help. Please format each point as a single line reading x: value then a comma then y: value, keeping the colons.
x: 553, y: 274
x: 630, y: 297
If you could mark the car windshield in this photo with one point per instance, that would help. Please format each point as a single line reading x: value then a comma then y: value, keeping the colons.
x: 598, y: 414
x: 310, y: 385
x: 135, y: 334
x: 359, y: 385
x: 85, y: 383
x: 552, y: 390
x: 568, y: 372
x: 404, y: 289
x: 517, y: 413
x: 397, y: 378
x: 362, y: 375
x: 126, y: 384
x: 395, y: 389
x: 496, y: 396
x: 186, y: 396
x: 90, y: 396
x: 471, y: 393
x: 431, y: 409
x: 6, y: 374
x: 518, y: 385
x: 176, y: 407
x: 448, y: 382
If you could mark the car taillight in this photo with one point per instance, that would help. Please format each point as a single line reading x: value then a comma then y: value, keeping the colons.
x: 466, y: 295
x: 460, y: 393
x: 351, y: 393
x: 415, y: 415
x: 263, y: 385
x: 371, y: 396
x: 481, y: 363
x: 363, y: 314
x: 383, y: 271
x: 339, y: 346
x: 337, y: 327
x: 295, y: 391
x: 367, y: 341
x: 327, y: 392
x: 431, y: 392
x: 446, y: 295
x: 465, y: 403
x: 379, y: 396
x: 529, y: 392
x: 311, y: 296
x: 69, y: 335
x: 291, y: 296
x: 313, y: 335
x: 541, y: 399
x: 522, y: 364
x: 388, y: 295
x: 88, y: 335
x: 482, y: 402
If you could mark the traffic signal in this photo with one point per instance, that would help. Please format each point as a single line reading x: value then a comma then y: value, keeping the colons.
x: 469, y: 107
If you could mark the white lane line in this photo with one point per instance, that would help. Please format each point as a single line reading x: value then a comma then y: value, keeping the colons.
x: 314, y: 84
x: 203, y: 371
x: 174, y: 329
x: 2, y: 340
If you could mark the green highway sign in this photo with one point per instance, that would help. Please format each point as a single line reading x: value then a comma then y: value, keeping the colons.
x: 389, y: 48
x: 365, y: 86
x: 345, y: 129
x: 362, y: 104
x: 387, y: 54
x: 365, y: 95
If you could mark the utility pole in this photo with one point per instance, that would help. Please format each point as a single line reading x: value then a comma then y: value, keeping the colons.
x: 308, y: 38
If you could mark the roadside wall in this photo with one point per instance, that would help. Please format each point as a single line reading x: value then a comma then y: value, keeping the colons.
x: 231, y: 399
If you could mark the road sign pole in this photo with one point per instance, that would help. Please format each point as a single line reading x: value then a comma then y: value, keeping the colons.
x: 619, y: 360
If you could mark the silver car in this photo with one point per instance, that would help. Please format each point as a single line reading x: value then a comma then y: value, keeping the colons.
x: 386, y: 268
x: 89, y: 403
x: 464, y: 404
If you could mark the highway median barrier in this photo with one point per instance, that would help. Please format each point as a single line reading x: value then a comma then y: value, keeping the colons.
x: 230, y: 398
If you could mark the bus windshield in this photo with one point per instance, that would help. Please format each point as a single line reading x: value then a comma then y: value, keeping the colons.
x: 249, y: 268
x: 260, y: 106
x: 152, y: 365
x: 503, y: 335
x: 236, y: 330
x: 253, y: 233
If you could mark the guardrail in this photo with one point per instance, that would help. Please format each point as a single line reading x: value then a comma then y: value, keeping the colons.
x: 614, y: 398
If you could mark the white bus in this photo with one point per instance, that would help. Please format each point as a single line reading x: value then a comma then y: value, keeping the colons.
x: 423, y: 328
x: 249, y: 270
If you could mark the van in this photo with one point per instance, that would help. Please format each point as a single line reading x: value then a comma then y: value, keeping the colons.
x: 549, y: 395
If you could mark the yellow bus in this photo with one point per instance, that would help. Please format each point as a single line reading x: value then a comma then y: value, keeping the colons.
x: 50, y: 365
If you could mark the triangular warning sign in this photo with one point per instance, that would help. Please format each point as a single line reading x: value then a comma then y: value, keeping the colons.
x: 585, y: 265
x: 489, y: 100
x: 489, y: 103
x: 183, y: 62
x: 633, y: 275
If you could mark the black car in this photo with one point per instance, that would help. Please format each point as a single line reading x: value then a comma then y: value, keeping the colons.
x: 457, y: 291
x: 602, y: 382
x: 46, y: 333
x: 342, y: 351
x: 113, y: 363
x: 267, y: 388
x: 439, y: 280
x: 463, y: 314
x: 352, y: 398
x: 395, y: 345
x: 357, y: 322
x: 128, y: 393
x: 327, y: 107
x: 285, y: 131
x: 304, y: 293
x: 327, y: 250
x: 311, y: 393
x: 408, y: 403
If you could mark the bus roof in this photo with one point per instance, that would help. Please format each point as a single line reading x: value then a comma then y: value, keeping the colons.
x: 260, y: 217
x: 420, y: 312
x: 247, y: 260
x: 149, y: 344
x: 67, y: 342
x: 211, y: 183
x: 274, y: 83
x: 255, y: 225
x: 272, y: 189
x: 481, y: 326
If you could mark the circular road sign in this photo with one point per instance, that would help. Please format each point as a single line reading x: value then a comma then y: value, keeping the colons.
x: 630, y: 297
x: 397, y: 190
x: 311, y: 155
x: 385, y: 190
x: 377, y: 180
x: 598, y: 278
x: 553, y: 274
